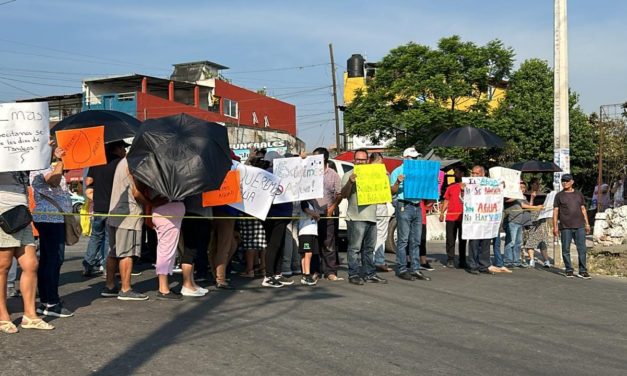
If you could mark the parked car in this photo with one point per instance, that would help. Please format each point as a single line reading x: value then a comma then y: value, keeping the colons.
x: 77, y: 202
x: 343, y: 167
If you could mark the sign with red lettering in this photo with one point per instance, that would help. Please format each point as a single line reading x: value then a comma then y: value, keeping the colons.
x: 483, y: 208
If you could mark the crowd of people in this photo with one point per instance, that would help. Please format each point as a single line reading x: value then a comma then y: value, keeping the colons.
x: 130, y: 221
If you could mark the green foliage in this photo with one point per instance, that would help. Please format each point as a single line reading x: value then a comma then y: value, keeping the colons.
x: 415, y: 93
x: 525, y: 120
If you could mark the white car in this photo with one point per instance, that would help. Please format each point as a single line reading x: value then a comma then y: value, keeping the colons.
x: 343, y: 167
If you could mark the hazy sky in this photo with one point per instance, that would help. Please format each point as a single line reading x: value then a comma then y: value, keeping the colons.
x: 47, y: 47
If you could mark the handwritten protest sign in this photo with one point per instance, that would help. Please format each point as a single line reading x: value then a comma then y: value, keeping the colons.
x: 258, y: 190
x: 483, y: 208
x: 228, y: 193
x: 301, y: 179
x: 24, y: 136
x: 510, y: 179
x: 83, y: 147
x: 547, y: 210
x: 373, y: 186
x: 421, y: 179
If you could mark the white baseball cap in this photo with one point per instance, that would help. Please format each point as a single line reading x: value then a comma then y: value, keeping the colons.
x: 411, y: 153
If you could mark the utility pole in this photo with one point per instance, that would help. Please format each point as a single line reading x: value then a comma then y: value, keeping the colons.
x: 561, y: 151
x: 335, y: 109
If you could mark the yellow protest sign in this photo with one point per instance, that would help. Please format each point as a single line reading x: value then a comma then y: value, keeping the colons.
x: 373, y: 186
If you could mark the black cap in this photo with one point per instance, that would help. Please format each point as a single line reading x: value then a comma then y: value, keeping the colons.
x: 567, y: 177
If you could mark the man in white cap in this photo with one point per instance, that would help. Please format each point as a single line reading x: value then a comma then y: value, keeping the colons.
x: 409, y: 224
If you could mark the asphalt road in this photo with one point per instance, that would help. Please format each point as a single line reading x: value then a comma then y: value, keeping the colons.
x: 531, y: 322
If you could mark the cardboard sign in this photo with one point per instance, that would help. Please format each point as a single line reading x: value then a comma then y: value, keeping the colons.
x: 301, y: 179
x: 373, y: 185
x: 83, y: 147
x: 547, y: 210
x: 421, y: 179
x: 483, y: 208
x: 24, y: 136
x: 228, y: 193
x: 511, y: 181
x: 258, y: 187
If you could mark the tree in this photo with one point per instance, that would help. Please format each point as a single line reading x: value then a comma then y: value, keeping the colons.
x: 418, y: 92
x: 524, y: 119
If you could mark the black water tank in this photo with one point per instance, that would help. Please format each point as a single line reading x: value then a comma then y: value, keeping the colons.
x: 355, y: 66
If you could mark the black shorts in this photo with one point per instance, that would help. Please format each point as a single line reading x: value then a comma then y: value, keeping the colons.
x: 308, y: 243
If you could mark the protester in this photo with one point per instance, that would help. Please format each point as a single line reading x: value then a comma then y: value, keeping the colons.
x: 224, y: 245
x: 51, y: 196
x: 569, y: 211
x: 21, y: 245
x: 308, y: 238
x: 453, y: 206
x: 124, y: 235
x: 327, y: 226
x: 535, y: 234
x: 99, y: 182
x: 479, y: 258
x: 291, y: 264
x: 278, y: 218
x: 383, y: 221
x: 408, y: 224
x: 424, y: 263
x: 196, y: 231
x: 361, y: 222
x: 254, y: 244
x: 516, y: 215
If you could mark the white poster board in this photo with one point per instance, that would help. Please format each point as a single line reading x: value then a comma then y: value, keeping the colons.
x: 258, y: 190
x: 301, y: 178
x: 511, y: 181
x: 547, y: 210
x: 483, y: 208
x: 24, y: 136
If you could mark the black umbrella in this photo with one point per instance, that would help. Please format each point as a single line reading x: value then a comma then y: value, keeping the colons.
x: 117, y: 125
x: 536, y: 166
x: 180, y: 155
x: 468, y: 137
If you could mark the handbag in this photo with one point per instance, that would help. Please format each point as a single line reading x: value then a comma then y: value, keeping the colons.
x: 73, y: 229
x: 15, y: 219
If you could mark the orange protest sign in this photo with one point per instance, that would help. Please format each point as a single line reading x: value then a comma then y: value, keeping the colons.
x: 228, y: 193
x: 83, y: 147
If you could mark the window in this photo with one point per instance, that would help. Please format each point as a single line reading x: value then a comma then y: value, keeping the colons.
x: 230, y: 108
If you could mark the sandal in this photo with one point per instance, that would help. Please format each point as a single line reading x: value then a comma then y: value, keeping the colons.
x: 35, y: 324
x: 8, y: 327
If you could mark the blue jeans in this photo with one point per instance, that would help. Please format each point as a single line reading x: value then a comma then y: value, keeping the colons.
x: 498, y: 258
x: 98, y: 246
x: 513, y: 242
x: 579, y: 235
x: 409, y: 228
x: 362, y: 237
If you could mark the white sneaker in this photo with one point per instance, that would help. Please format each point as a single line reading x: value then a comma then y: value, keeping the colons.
x: 532, y: 263
x: 189, y: 292
x: 177, y: 269
x: 204, y: 290
x: 547, y: 264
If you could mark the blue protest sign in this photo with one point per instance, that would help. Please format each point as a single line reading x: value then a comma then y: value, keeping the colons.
x: 421, y: 179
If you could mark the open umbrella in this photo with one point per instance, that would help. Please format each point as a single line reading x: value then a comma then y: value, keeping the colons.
x: 180, y: 155
x: 536, y: 166
x: 117, y: 125
x: 468, y: 137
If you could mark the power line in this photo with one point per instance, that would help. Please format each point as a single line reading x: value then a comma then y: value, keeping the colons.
x: 278, y: 69
x: 19, y: 88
